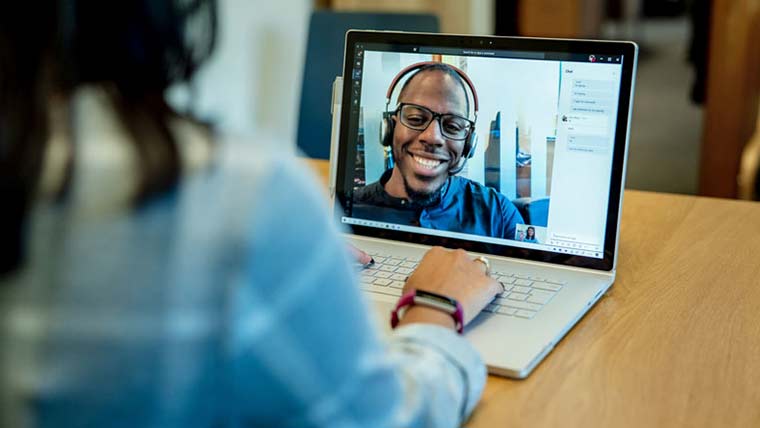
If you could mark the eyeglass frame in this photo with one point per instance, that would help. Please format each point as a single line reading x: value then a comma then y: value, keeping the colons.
x: 435, y: 116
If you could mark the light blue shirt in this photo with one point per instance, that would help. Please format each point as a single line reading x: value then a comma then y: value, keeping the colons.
x: 229, y: 303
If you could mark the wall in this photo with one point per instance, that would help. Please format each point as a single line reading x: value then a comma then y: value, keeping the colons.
x: 560, y: 18
x: 456, y: 16
x: 252, y: 83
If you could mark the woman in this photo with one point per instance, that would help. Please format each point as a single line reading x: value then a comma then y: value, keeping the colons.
x: 531, y: 235
x: 157, y: 278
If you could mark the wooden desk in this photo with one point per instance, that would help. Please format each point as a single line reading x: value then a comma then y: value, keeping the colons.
x: 676, y: 343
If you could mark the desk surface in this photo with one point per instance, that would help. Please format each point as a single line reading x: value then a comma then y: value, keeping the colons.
x: 676, y: 342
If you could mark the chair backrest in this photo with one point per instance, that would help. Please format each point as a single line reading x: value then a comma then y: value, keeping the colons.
x: 324, y: 61
x: 535, y: 212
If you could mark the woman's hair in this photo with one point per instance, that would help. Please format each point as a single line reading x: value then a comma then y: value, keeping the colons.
x: 531, y: 231
x: 134, y: 49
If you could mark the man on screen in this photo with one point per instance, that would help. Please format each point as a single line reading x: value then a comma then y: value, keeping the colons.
x: 431, y: 136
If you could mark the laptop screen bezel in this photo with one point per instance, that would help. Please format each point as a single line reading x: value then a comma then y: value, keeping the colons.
x: 344, y: 182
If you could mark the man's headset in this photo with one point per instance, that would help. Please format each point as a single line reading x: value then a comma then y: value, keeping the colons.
x: 387, y: 126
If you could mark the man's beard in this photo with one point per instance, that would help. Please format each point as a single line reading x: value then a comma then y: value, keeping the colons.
x: 424, y: 199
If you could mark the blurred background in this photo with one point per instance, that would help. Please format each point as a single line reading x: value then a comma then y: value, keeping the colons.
x: 695, y: 120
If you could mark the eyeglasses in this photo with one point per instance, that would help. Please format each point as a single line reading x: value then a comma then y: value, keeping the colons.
x: 418, y: 118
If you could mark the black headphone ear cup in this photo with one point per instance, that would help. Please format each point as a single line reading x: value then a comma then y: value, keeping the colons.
x: 470, y: 145
x: 473, y: 143
x: 468, y: 151
x: 386, y: 129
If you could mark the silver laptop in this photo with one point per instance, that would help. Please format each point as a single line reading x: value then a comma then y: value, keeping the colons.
x: 511, y: 148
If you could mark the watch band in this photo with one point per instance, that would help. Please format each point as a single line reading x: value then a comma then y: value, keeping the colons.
x: 430, y: 300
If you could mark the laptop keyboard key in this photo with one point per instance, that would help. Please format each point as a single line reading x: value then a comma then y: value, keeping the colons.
x: 522, y: 305
x: 506, y: 311
x: 506, y: 280
x: 404, y: 271
x: 381, y: 274
x: 381, y: 290
x: 540, y: 297
x: 519, y: 289
x: 398, y: 277
x: 523, y: 282
x: 396, y: 284
x: 525, y: 314
x: 491, y: 308
x: 382, y: 281
x: 517, y: 296
x: 546, y: 286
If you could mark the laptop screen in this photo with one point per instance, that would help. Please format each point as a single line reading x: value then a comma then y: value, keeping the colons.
x: 505, y: 147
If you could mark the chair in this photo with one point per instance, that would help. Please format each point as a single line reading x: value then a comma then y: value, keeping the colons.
x: 535, y: 211
x: 324, y: 61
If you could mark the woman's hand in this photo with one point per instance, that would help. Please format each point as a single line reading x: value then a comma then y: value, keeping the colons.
x: 360, y: 256
x: 455, y: 274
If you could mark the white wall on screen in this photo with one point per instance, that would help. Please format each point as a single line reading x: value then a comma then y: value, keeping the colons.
x: 526, y: 93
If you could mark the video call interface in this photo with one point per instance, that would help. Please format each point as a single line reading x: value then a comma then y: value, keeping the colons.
x: 539, y: 173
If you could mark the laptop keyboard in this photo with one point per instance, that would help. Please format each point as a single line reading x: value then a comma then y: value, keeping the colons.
x: 524, y: 295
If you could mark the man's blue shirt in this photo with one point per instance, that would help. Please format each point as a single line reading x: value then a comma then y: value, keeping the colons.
x: 464, y: 206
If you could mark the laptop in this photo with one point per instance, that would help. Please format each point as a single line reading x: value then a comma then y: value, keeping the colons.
x: 537, y: 132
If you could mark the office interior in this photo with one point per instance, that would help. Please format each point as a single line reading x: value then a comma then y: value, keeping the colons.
x: 675, y: 343
x: 695, y: 120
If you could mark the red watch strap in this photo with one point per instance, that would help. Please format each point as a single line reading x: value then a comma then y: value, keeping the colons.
x: 405, y: 300
x: 408, y: 299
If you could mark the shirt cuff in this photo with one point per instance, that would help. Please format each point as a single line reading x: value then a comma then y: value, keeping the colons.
x: 457, y: 351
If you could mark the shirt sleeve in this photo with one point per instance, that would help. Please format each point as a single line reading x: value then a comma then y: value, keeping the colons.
x: 303, y: 350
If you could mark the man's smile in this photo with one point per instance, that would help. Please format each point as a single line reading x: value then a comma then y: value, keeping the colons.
x: 427, y: 165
